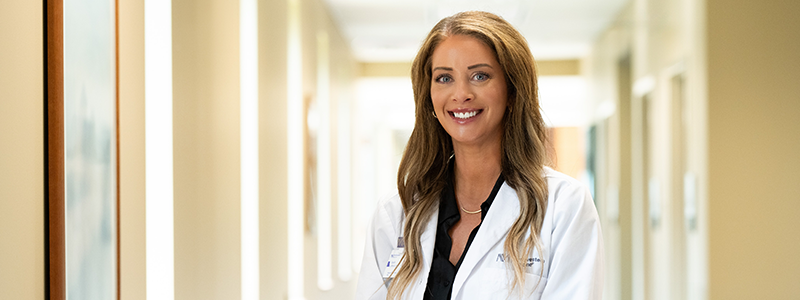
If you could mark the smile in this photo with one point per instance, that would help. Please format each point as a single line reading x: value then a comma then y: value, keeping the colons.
x: 465, y: 115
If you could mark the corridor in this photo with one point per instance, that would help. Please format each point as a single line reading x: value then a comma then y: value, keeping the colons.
x: 248, y: 142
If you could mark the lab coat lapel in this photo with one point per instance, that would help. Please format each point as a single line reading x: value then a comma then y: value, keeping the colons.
x: 495, y: 226
x: 427, y: 240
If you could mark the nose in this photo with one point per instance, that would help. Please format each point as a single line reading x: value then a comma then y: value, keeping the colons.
x: 463, y: 92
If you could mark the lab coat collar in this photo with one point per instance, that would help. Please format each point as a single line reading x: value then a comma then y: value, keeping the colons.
x: 493, y: 229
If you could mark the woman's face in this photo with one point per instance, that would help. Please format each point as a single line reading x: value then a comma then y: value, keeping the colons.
x: 468, y: 90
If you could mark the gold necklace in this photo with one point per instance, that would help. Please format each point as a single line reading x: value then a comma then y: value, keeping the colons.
x: 470, y: 212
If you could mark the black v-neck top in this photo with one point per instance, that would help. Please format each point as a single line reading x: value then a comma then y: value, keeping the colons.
x: 443, y: 272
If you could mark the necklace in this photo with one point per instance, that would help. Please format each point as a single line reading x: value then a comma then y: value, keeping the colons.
x: 470, y: 212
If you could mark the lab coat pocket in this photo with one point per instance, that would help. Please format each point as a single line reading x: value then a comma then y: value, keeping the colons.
x: 495, y: 283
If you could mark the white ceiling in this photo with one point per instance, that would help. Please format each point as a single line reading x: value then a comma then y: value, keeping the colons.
x: 392, y: 30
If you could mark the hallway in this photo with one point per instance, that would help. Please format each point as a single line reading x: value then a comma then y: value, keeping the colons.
x: 256, y: 137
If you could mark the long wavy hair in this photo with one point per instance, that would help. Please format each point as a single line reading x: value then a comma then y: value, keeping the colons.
x: 424, y: 170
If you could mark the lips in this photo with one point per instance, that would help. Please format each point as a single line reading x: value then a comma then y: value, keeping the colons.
x: 464, y: 114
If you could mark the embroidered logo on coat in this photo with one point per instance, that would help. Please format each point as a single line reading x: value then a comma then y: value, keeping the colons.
x: 502, y: 258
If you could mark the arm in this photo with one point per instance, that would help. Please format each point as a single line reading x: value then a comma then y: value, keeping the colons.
x: 576, y: 267
x: 381, y: 239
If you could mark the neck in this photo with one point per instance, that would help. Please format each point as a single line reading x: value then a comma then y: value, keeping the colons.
x: 476, y: 171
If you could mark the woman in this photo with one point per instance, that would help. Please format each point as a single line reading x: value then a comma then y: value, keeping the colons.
x: 478, y: 215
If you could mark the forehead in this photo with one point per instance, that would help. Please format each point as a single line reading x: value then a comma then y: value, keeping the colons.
x: 462, y: 50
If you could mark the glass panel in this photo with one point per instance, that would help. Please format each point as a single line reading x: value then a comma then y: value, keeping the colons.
x: 90, y: 146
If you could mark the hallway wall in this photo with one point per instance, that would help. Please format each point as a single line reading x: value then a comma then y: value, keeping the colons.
x: 753, y: 146
x: 635, y: 68
x: 740, y: 66
x: 342, y: 72
x: 22, y: 211
x: 207, y: 144
x: 132, y: 187
x: 206, y: 152
x: 272, y: 60
x: 698, y: 194
x: 206, y: 149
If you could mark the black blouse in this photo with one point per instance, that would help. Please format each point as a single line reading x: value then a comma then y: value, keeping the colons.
x: 443, y: 272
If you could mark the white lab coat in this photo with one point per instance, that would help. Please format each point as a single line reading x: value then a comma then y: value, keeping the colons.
x: 571, y: 240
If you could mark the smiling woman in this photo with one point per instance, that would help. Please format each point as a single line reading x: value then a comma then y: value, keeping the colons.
x: 478, y: 215
x: 468, y: 91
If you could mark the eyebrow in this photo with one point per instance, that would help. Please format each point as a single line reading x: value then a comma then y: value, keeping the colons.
x: 468, y: 68
x: 478, y: 66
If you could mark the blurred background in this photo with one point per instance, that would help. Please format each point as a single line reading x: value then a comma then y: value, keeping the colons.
x: 256, y: 137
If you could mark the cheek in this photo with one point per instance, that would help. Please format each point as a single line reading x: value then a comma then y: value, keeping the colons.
x: 498, y: 98
x: 436, y: 97
x: 501, y: 96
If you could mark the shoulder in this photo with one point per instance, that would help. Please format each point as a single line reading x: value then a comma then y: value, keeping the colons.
x: 388, y: 216
x: 565, y: 192
x: 391, y: 205
x: 560, y: 182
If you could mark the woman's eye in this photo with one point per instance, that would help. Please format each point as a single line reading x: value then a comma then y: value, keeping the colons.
x: 443, y: 79
x: 480, y: 77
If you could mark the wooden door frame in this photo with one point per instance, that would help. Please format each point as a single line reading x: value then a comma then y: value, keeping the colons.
x: 55, y: 261
x: 55, y: 242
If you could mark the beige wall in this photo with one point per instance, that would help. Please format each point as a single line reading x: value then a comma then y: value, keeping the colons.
x: 569, y: 145
x: 403, y: 69
x: 21, y: 151
x: 613, y: 190
x: 273, y: 236
x: 739, y: 62
x: 753, y: 146
x: 22, y: 176
x: 273, y: 92
x: 650, y: 258
x: 558, y: 67
x: 206, y: 136
x: 343, y: 69
x: 132, y: 150
x: 206, y: 131
x: 206, y: 149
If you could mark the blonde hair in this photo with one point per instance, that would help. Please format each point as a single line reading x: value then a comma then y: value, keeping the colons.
x: 424, y: 167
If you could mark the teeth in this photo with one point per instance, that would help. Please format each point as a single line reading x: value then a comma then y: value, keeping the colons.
x: 465, y: 115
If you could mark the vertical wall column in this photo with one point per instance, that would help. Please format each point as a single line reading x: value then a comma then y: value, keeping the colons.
x: 753, y: 145
x: 696, y: 153
x: 272, y: 136
x: 295, y: 174
x: 22, y: 142
x: 639, y: 227
x: 624, y: 193
x: 132, y: 145
x: 321, y: 73
x: 324, y: 165
x: 207, y: 149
